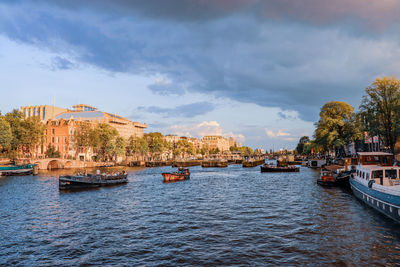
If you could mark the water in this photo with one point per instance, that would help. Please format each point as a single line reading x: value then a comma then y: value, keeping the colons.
x: 229, y: 216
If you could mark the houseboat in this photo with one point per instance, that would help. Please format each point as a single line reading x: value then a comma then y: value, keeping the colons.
x: 91, y: 180
x: 15, y: 170
x: 316, y: 163
x: 376, y: 182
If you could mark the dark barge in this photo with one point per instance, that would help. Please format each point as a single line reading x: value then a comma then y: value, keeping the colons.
x: 90, y: 180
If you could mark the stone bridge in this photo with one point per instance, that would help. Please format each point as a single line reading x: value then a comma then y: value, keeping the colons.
x: 56, y: 163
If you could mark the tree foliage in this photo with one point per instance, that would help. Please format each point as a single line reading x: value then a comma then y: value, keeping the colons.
x: 380, y: 110
x: 300, y: 146
x: 5, y: 134
x: 337, y: 126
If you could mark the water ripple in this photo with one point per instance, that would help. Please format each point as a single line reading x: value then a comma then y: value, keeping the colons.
x: 230, y: 217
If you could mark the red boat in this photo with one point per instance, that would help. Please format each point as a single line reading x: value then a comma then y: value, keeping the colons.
x: 327, y: 178
x: 180, y: 175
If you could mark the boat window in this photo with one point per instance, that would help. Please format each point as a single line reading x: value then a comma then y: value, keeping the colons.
x: 391, y: 174
x: 377, y: 174
x: 358, y: 173
x: 372, y: 160
x: 363, y: 175
x: 367, y: 176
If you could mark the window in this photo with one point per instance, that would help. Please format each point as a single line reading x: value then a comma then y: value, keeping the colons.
x: 44, y: 112
x: 367, y: 176
x: 53, y: 131
x: 391, y: 174
x: 377, y: 174
x: 52, y: 139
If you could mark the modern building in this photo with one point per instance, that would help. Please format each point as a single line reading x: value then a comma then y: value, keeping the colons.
x: 125, y: 127
x: 44, y: 112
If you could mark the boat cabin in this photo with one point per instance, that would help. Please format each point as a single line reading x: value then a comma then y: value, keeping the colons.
x: 375, y: 158
x: 377, y: 166
x: 316, y: 163
x: 386, y: 176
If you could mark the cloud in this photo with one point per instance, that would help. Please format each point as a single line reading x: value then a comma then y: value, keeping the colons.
x: 275, y: 134
x: 202, y: 129
x: 165, y: 87
x: 370, y: 12
x: 250, y: 51
x: 187, y: 111
x: 60, y: 63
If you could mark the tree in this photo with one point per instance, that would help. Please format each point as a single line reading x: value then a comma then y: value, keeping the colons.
x: 137, y: 145
x: 102, y: 138
x: 156, y: 143
x: 52, y: 153
x: 33, y: 133
x: 5, y: 134
x: 82, y: 137
x: 300, y: 146
x: 380, y: 110
x: 14, y: 119
x: 120, y: 146
x: 337, y: 126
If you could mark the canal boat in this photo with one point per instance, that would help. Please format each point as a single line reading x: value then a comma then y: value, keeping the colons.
x: 91, y: 180
x: 327, y: 178
x: 376, y: 182
x: 180, y: 175
x: 316, y: 163
x: 15, y: 170
x: 276, y: 168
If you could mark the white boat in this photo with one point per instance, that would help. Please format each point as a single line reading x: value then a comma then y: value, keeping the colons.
x: 316, y: 163
x: 376, y: 182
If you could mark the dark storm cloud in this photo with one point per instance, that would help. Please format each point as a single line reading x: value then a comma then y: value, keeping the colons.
x: 187, y: 110
x: 249, y: 51
x: 370, y: 12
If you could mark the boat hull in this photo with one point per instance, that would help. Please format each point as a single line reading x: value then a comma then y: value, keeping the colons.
x: 174, y: 177
x: 18, y: 172
x: 386, y: 204
x: 279, y: 169
x: 77, y: 182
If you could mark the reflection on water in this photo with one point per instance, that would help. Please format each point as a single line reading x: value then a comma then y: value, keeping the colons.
x: 230, y: 216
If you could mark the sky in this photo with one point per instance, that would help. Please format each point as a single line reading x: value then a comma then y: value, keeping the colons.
x: 258, y: 70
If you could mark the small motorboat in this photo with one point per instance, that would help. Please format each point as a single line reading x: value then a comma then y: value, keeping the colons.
x: 91, y: 180
x: 272, y: 168
x: 180, y: 175
x: 327, y: 178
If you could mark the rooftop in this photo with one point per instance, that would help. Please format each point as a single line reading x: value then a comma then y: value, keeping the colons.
x: 374, y: 154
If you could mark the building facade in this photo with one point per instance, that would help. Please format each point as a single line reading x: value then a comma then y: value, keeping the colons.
x: 216, y: 142
x: 44, y: 112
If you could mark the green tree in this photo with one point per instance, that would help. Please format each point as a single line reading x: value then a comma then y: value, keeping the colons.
x: 120, y: 146
x: 156, y: 142
x: 137, y: 145
x: 14, y: 119
x: 32, y: 133
x: 5, y: 134
x: 102, y: 139
x: 82, y: 137
x: 380, y: 110
x: 300, y: 146
x: 337, y: 126
x: 52, y: 153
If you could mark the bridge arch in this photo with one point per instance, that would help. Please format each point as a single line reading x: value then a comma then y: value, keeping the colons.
x: 54, y: 164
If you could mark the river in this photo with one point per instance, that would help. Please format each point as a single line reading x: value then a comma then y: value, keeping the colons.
x: 229, y: 217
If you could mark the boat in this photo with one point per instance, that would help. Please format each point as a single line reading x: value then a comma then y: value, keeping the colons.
x: 180, y: 175
x: 316, y: 163
x: 91, y: 180
x: 376, y: 182
x: 327, y: 178
x: 275, y: 168
x: 15, y: 170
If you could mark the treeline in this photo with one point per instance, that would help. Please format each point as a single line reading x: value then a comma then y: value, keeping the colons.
x: 339, y: 125
x: 19, y: 136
